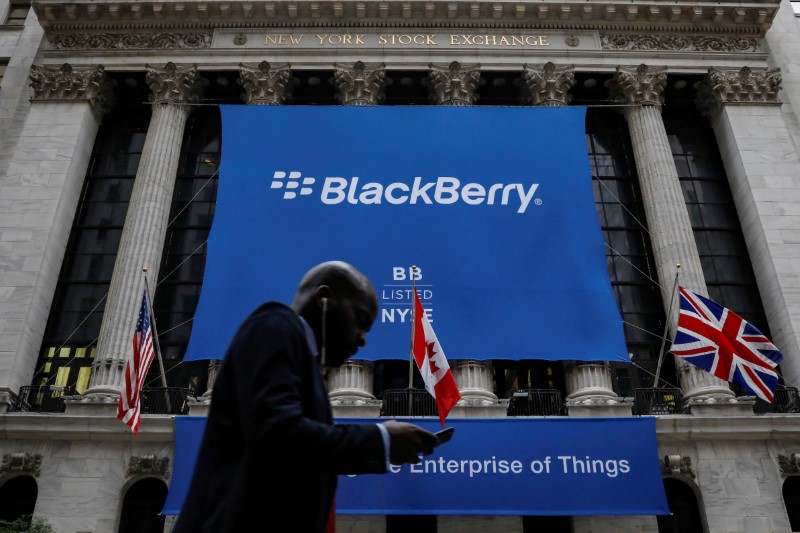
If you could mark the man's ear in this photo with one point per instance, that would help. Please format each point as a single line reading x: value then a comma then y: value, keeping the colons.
x: 322, y: 295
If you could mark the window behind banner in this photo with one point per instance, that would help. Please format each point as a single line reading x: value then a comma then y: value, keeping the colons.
x: 727, y: 268
x: 631, y: 266
x: 142, y: 506
x: 184, y: 255
x: 70, y: 338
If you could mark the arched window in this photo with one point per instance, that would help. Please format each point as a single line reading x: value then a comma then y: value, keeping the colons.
x: 683, y: 505
x: 141, y: 507
x: 791, y: 499
x: 18, y: 497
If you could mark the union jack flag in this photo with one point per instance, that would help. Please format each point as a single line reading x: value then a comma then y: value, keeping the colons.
x: 129, y: 407
x: 721, y: 342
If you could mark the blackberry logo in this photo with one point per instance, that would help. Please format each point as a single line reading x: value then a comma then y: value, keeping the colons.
x: 443, y: 190
x: 290, y: 183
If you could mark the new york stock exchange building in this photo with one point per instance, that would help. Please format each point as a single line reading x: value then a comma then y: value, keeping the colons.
x: 559, y: 174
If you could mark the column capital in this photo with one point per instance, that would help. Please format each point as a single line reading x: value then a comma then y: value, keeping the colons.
x: 642, y: 85
x: 454, y: 84
x: 173, y: 84
x: 360, y: 84
x: 549, y: 85
x: 69, y: 84
x: 722, y: 87
x: 265, y: 84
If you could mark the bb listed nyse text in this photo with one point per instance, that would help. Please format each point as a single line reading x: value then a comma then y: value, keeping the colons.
x: 398, y: 299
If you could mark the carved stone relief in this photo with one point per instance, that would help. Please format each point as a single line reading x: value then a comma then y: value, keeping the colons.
x: 265, y: 84
x: 148, y: 465
x: 360, y: 84
x: 678, y: 43
x: 454, y: 84
x: 24, y: 462
x: 72, y: 84
x: 549, y: 85
x: 163, y: 40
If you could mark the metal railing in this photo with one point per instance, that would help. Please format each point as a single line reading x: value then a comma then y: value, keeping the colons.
x: 164, y: 401
x: 42, y: 399
x: 408, y: 402
x: 786, y: 400
x: 667, y: 401
x: 535, y: 402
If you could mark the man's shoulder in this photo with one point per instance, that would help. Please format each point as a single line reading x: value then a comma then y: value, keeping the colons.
x: 276, y: 312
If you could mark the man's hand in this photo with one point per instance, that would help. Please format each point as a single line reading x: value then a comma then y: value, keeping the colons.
x: 408, y: 441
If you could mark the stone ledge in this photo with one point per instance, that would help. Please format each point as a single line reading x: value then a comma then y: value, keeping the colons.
x: 704, y: 16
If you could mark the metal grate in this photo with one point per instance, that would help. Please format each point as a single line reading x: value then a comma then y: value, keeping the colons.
x: 42, y: 399
x: 535, y: 402
x: 659, y: 401
x: 164, y: 401
x: 408, y: 402
x: 786, y: 400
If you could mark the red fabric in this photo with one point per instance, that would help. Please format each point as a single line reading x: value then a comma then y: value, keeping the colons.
x: 129, y: 405
x: 330, y: 527
x: 432, y: 363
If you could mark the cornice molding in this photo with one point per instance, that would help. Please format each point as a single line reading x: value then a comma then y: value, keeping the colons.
x: 651, y: 16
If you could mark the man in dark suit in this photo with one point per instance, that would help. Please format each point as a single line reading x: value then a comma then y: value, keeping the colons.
x: 270, y: 453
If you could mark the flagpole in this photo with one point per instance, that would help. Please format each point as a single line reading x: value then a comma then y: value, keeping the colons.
x: 413, y: 312
x: 666, y: 326
x: 155, y: 338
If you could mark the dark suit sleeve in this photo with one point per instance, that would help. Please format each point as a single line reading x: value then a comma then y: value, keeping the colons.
x: 285, y: 407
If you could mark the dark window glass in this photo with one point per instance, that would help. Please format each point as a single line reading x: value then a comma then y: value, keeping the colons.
x: 406, y: 523
x: 184, y: 256
x: 142, y: 506
x: 76, y: 312
x: 550, y: 524
x: 718, y: 233
x: 628, y: 251
x: 791, y: 500
x: 685, y: 517
x: 18, y: 498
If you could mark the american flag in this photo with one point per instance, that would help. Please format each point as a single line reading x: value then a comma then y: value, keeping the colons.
x: 721, y: 342
x: 129, y: 407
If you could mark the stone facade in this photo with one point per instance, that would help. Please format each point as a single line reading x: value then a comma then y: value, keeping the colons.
x: 54, y: 96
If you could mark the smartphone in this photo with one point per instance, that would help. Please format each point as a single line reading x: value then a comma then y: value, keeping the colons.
x: 444, y: 435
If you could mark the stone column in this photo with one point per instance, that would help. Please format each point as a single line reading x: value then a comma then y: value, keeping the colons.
x: 763, y: 169
x: 359, y: 84
x: 38, y: 196
x: 350, y: 386
x: 142, y: 238
x: 265, y: 84
x: 670, y: 229
x: 454, y: 84
x: 589, y: 388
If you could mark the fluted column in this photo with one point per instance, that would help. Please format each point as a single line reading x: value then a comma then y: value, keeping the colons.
x: 142, y: 238
x: 549, y: 85
x: 351, y: 381
x: 475, y: 379
x: 454, y: 84
x: 669, y: 226
x: 457, y: 85
x: 39, y: 192
x: 360, y: 84
x: 589, y: 387
x: 265, y: 84
x: 763, y: 169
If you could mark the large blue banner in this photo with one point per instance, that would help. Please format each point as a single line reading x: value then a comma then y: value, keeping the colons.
x: 493, y: 205
x: 548, y: 466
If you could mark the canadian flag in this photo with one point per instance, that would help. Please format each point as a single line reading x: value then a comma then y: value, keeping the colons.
x: 432, y: 363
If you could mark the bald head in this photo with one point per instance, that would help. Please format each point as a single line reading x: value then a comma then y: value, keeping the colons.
x: 351, y: 306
